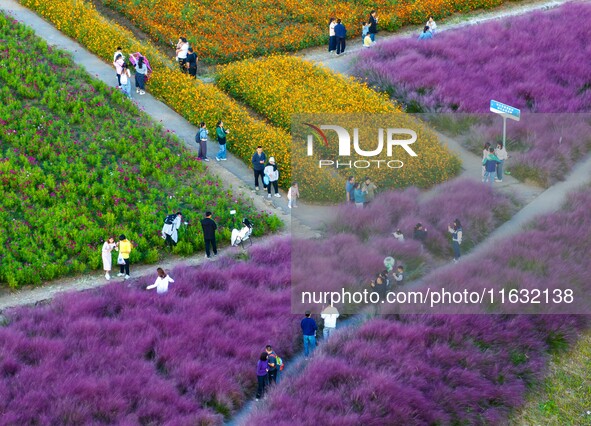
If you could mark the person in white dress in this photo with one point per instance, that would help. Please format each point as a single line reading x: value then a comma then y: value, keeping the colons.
x: 108, y: 247
x: 161, y: 283
x: 432, y: 25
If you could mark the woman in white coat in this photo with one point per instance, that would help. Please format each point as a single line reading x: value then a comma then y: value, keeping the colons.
x: 108, y: 247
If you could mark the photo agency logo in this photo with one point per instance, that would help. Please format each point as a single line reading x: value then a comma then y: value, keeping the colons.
x: 390, y: 137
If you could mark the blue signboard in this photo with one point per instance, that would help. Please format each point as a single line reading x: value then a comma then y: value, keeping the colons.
x: 505, y: 110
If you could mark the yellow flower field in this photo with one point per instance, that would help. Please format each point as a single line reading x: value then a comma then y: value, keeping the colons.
x: 226, y: 30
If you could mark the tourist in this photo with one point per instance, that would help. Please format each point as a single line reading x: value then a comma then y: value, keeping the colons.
x: 349, y: 187
x: 399, y: 275
x: 292, y: 195
x: 364, y: 32
x: 262, y: 372
x: 182, y: 50
x: 170, y: 228
x: 431, y: 24
x: 398, y: 235
x: 209, y: 227
x: 126, y: 80
x: 258, y: 164
x: 456, y: 241
x: 373, y: 25
x: 359, y: 196
x: 485, y: 150
x: 140, y: 76
x: 272, y: 365
x: 420, y: 233
x: 118, y: 52
x: 370, y: 190
x: 332, y: 39
x: 341, y: 34
x: 502, y: 155
x: 367, y: 41
x: 426, y: 34
x: 201, y: 137
x: 221, y: 134
x: 118, y: 64
x: 191, y: 61
x: 272, y: 174
x: 309, y: 328
x: 161, y: 283
x: 329, y: 315
x: 125, y: 248
x: 107, y: 256
x: 380, y: 287
x: 490, y: 165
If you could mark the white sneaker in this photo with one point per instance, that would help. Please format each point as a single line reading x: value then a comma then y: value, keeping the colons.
x: 289, y: 206
x: 217, y: 159
x: 142, y: 92
x: 206, y: 159
x: 268, y: 195
x: 256, y: 188
x: 126, y: 277
x: 224, y: 159
x: 107, y: 276
x: 120, y: 274
x: 278, y: 195
x: 137, y: 90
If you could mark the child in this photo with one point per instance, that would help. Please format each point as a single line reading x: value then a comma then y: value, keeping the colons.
x: 161, y: 283
x: 292, y: 195
x: 364, y: 31
x: 399, y: 275
x: 367, y: 41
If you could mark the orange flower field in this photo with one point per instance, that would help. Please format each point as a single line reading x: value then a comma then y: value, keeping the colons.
x: 220, y: 30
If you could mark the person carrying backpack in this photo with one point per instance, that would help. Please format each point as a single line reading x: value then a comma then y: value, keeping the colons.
x: 272, y: 364
x: 172, y: 223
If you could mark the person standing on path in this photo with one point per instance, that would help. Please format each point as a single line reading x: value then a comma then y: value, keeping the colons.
x: 309, y: 328
x: 192, y: 62
x: 292, y: 195
x: 341, y: 34
x: 161, y: 283
x: 107, y: 256
x: 118, y: 52
x: 209, y: 227
x: 182, y: 50
x: 456, y: 231
x: 125, y: 248
x: 258, y: 164
x: 502, y: 155
x: 329, y: 315
x: 490, y: 166
x: 370, y: 190
x: 349, y: 187
x: 373, y: 25
x: 272, y: 365
x: 126, y: 80
x: 118, y: 64
x: 332, y: 39
x: 262, y: 373
x: 140, y: 76
x: 272, y: 174
x: 201, y: 138
x: 221, y: 134
x: 359, y: 196
x: 484, y: 155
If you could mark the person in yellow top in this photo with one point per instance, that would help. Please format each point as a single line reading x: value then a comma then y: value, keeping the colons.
x: 125, y: 248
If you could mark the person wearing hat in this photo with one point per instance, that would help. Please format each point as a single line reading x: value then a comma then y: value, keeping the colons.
x: 309, y: 328
x: 272, y: 173
x: 125, y: 248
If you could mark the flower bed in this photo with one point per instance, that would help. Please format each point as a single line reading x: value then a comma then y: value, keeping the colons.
x: 68, y: 184
x: 537, y: 68
x: 284, y: 87
x: 451, y: 369
x: 119, y: 355
x: 225, y: 32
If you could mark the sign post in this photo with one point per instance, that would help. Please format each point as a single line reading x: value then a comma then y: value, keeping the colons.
x: 506, y: 112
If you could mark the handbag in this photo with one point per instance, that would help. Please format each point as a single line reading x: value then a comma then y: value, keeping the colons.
x: 120, y: 260
x: 266, y: 180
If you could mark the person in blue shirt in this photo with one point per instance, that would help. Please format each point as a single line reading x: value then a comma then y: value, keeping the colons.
x: 341, y: 34
x: 349, y: 189
x: 490, y: 166
x: 359, y: 195
x: 309, y: 328
x: 426, y: 34
x: 258, y: 164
